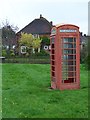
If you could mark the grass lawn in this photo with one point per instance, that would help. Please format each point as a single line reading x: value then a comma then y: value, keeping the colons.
x: 26, y: 94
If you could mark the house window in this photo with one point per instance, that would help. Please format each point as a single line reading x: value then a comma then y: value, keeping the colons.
x: 45, y: 47
x: 23, y: 49
x: 35, y: 36
x: 13, y: 46
x: 49, y: 47
x: 7, y: 47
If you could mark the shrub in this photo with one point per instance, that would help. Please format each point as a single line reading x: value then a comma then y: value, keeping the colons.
x: 45, y: 40
x: 27, y: 54
x: 4, y: 53
x: 87, y: 62
x: 42, y: 53
x: 12, y: 53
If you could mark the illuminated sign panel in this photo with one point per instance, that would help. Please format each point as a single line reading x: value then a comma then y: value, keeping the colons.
x: 68, y: 30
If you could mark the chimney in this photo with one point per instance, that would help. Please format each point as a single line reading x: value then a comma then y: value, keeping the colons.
x: 81, y: 33
x: 40, y: 15
x: 85, y: 35
x: 51, y: 23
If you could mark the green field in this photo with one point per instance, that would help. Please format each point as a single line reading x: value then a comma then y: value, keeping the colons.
x: 26, y: 94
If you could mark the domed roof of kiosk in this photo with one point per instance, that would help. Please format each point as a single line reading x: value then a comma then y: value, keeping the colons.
x: 61, y: 24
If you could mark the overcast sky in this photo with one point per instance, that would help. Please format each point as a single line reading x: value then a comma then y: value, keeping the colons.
x: 22, y: 12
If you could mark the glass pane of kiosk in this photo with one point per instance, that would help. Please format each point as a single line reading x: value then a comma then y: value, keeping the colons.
x: 68, y: 60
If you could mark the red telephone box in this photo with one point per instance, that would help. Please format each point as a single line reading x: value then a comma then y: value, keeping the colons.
x: 65, y: 57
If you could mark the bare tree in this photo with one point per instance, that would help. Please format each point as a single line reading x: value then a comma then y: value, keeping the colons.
x: 8, y: 34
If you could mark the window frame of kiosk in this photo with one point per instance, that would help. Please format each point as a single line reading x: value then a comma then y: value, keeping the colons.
x: 68, y: 59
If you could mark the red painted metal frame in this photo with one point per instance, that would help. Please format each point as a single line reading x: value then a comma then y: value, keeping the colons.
x: 56, y: 80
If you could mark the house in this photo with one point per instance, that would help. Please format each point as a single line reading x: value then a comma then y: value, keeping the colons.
x: 38, y: 27
x: 83, y: 40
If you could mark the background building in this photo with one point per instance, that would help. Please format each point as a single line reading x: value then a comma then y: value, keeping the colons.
x: 40, y: 26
